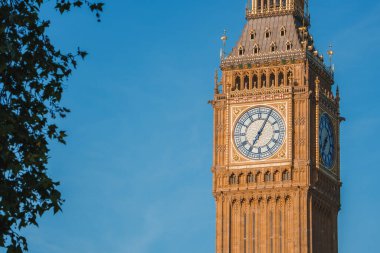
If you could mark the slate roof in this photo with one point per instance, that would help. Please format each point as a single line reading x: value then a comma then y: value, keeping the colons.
x: 259, y: 26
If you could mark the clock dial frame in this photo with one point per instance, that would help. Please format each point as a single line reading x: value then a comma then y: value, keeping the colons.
x: 259, y: 133
x: 326, y: 141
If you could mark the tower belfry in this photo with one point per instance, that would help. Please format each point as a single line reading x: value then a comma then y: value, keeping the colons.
x: 276, y: 153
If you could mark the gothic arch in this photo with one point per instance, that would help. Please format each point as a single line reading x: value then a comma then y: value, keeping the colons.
x: 272, y: 80
x: 263, y: 80
x: 267, y: 177
x: 237, y: 83
x: 255, y: 81
x: 281, y: 78
x: 246, y: 82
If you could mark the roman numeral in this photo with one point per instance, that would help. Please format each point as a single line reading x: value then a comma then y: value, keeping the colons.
x: 243, y: 144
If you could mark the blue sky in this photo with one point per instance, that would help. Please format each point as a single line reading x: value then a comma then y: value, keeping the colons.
x: 136, y: 170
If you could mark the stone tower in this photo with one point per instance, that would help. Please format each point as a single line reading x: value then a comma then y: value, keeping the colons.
x: 276, y: 154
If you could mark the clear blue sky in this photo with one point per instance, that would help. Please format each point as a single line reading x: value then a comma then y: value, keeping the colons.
x: 136, y: 170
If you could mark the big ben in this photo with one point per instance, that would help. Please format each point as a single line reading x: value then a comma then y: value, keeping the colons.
x: 276, y: 153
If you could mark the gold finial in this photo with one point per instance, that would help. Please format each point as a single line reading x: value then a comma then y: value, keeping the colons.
x: 224, y: 37
x: 224, y: 40
x: 330, y: 52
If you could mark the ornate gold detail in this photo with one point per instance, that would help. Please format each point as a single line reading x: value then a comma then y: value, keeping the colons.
x: 282, y: 153
x: 236, y: 157
x: 281, y: 108
x: 236, y: 111
x: 300, y: 121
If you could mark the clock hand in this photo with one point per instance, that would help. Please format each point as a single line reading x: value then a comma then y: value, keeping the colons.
x: 261, y: 129
x: 325, y: 143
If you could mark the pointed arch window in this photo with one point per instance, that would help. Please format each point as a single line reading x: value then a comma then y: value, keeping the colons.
x: 272, y: 79
x: 289, y: 77
x: 237, y: 83
x: 283, y: 4
x: 285, y: 176
x: 278, y: 4
x: 263, y: 80
x: 241, y: 50
x: 250, y: 178
x: 253, y: 35
x: 256, y: 49
x: 259, y: 5
x: 233, y: 179
x: 289, y: 46
x: 273, y: 47
x: 268, y: 33
x: 283, y: 31
x: 280, y: 79
x: 255, y: 81
x: 271, y: 4
x: 246, y: 82
x: 267, y: 177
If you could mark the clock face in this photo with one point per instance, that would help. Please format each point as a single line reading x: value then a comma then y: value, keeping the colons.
x: 326, y: 141
x: 259, y: 133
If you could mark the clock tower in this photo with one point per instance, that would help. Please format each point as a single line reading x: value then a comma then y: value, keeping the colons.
x: 276, y: 154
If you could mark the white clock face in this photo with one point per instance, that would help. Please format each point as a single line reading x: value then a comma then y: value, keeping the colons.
x: 259, y: 133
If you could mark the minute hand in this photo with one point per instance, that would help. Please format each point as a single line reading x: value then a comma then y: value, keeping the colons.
x: 262, y: 128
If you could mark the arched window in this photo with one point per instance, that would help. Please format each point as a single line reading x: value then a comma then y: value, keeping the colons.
x: 289, y: 77
x: 285, y: 176
x: 280, y: 79
x: 271, y: 80
x: 256, y: 49
x: 263, y: 80
x: 246, y: 82
x: 233, y: 179
x: 237, y: 83
x: 267, y: 177
x: 259, y: 5
x: 273, y: 47
x: 258, y: 177
x: 284, y: 4
x: 277, y: 3
x: 289, y: 46
x: 253, y: 35
x: 254, y: 81
x: 268, y: 33
x: 241, y: 50
x: 283, y: 31
x: 250, y: 178
x: 271, y: 4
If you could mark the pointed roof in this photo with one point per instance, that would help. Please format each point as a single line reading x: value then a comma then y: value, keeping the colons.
x: 264, y: 33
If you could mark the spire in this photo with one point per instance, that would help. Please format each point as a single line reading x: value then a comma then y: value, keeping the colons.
x: 224, y: 40
x: 216, y: 79
x: 330, y: 52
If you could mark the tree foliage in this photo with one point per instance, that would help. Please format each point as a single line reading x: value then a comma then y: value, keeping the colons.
x: 32, y: 73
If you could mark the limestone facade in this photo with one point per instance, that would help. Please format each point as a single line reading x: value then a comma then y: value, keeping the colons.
x: 288, y: 202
